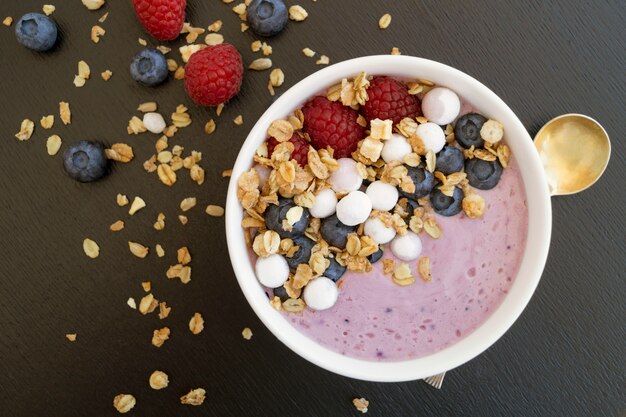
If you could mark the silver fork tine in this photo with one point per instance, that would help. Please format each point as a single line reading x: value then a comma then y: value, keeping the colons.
x: 435, y: 380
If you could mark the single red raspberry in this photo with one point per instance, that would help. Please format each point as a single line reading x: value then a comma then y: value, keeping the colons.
x: 332, y: 124
x: 213, y: 75
x: 163, y: 19
x: 300, y: 148
x: 390, y: 99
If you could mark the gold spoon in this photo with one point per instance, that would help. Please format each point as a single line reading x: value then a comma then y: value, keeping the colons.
x: 574, y: 150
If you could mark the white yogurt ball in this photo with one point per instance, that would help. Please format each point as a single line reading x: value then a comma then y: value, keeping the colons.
x: 377, y: 230
x: 432, y: 135
x: 325, y: 204
x: 264, y: 173
x: 407, y: 247
x: 354, y: 208
x: 320, y: 293
x: 273, y: 271
x: 441, y: 105
x: 384, y: 196
x: 154, y: 122
x: 346, y: 178
x: 396, y: 148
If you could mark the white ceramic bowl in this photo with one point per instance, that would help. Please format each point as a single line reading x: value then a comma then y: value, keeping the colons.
x: 539, y: 221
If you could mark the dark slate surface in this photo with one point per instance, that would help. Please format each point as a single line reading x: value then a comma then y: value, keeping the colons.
x: 562, y: 357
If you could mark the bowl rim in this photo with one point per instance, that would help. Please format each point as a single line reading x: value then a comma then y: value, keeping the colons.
x: 533, y: 260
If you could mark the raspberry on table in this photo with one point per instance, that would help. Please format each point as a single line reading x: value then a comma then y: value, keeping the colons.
x: 162, y: 19
x: 214, y: 74
x: 390, y: 99
x: 300, y: 148
x: 332, y: 124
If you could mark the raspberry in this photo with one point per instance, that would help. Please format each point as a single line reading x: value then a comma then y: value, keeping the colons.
x: 300, y: 148
x: 213, y: 75
x: 162, y: 19
x: 389, y: 99
x: 332, y: 124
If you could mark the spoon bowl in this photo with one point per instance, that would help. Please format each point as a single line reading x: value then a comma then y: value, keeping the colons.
x: 575, y: 150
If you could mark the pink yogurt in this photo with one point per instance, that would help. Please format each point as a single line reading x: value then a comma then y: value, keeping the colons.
x: 473, y: 265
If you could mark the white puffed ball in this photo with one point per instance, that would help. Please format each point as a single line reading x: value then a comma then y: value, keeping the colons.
x: 154, y: 122
x: 346, y: 178
x: 377, y: 230
x: 325, y: 204
x: 407, y: 247
x: 272, y: 271
x: 396, y: 148
x: 354, y: 208
x: 432, y: 135
x: 320, y: 293
x: 264, y: 173
x: 441, y: 105
x: 384, y: 196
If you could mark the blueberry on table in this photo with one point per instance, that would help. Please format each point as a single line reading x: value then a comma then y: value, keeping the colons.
x: 149, y: 67
x: 467, y: 130
x: 276, y: 214
x: 267, y: 17
x: 483, y: 175
x: 445, y: 205
x: 335, y: 270
x: 85, y: 161
x: 423, y: 180
x: 376, y: 256
x: 36, y: 31
x: 334, y: 232
x: 303, y: 254
x: 450, y: 160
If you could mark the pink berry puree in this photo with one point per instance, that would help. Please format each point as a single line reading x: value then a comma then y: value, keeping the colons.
x: 473, y: 265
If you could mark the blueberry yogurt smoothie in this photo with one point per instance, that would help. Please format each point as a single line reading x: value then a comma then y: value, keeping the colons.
x: 386, y: 218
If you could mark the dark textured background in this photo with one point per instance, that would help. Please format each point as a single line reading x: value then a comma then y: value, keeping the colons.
x: 561, y: 358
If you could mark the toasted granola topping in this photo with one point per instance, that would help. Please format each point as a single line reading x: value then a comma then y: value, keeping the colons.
x: 138, y: 249
x: 361, y: 404
x: 381, y: 129
x: 246, y: 333
x: 281, y: 130
x: 123, y: 403
x: 432, y: 228
x: 492, y: 131
x: 388, y: 266
x: 276, y: 303
x: 195, y: 396
x: 158, y: 380
x: 53, y: 144
x: 91, y: 248
x: 402, y: 275
x: 474, y: 205
x: 159, y: 336
x: 384, y: 21
x: 423, y: 268
x: 196, y: 324
x: 294, y: 305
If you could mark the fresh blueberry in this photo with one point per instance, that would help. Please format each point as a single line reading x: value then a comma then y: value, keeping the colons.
x: 423, y: 180
x: 449, y: 160
x: 36, y: 31
x: 281, y: 293
x: 483, y: 175
x: 334, y: 232
x: 267, y: 17
x: 467, y: 130
x: 149, y: 67
x: 444, y: 205
x: 85, y: 161
x: 275, y: 214
x: 303, y: 254
x: 334, y: 270
x: 376, y: 256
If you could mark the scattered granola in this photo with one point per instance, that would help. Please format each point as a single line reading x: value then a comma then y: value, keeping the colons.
x: 123, y: 403
x: 148, y: 304
x: 91, y: 248
x: 215, y: 211
x: 361, y: 404
x: 26, y: 130
x: 120, y: 152
x: 117, y: 226
x: 324, y: 60
x: 183, y: 219
x: 247, y: 333
x: 71, y: 337
x: 97, y: 32
x: 159, y: 250
x: 131, y: 303
x: 122, y: 200
x: 188, y: 203
x: 47, y: 121
x: 138, y: 204
x: 138, y: 249
x: 159, y: 336
x: 106, y: 75
x: 65, y: 112
x: 93, y: 5
x: 8, y: 21
x: 53, y: 144
x: 238, y: 120
x: 195, y: 396
x: 196, y: 324
x: 384, y: 21
x: 158, y: 380
x: 260, y: 64
x: 297, y: 13
x: 308, y: 52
